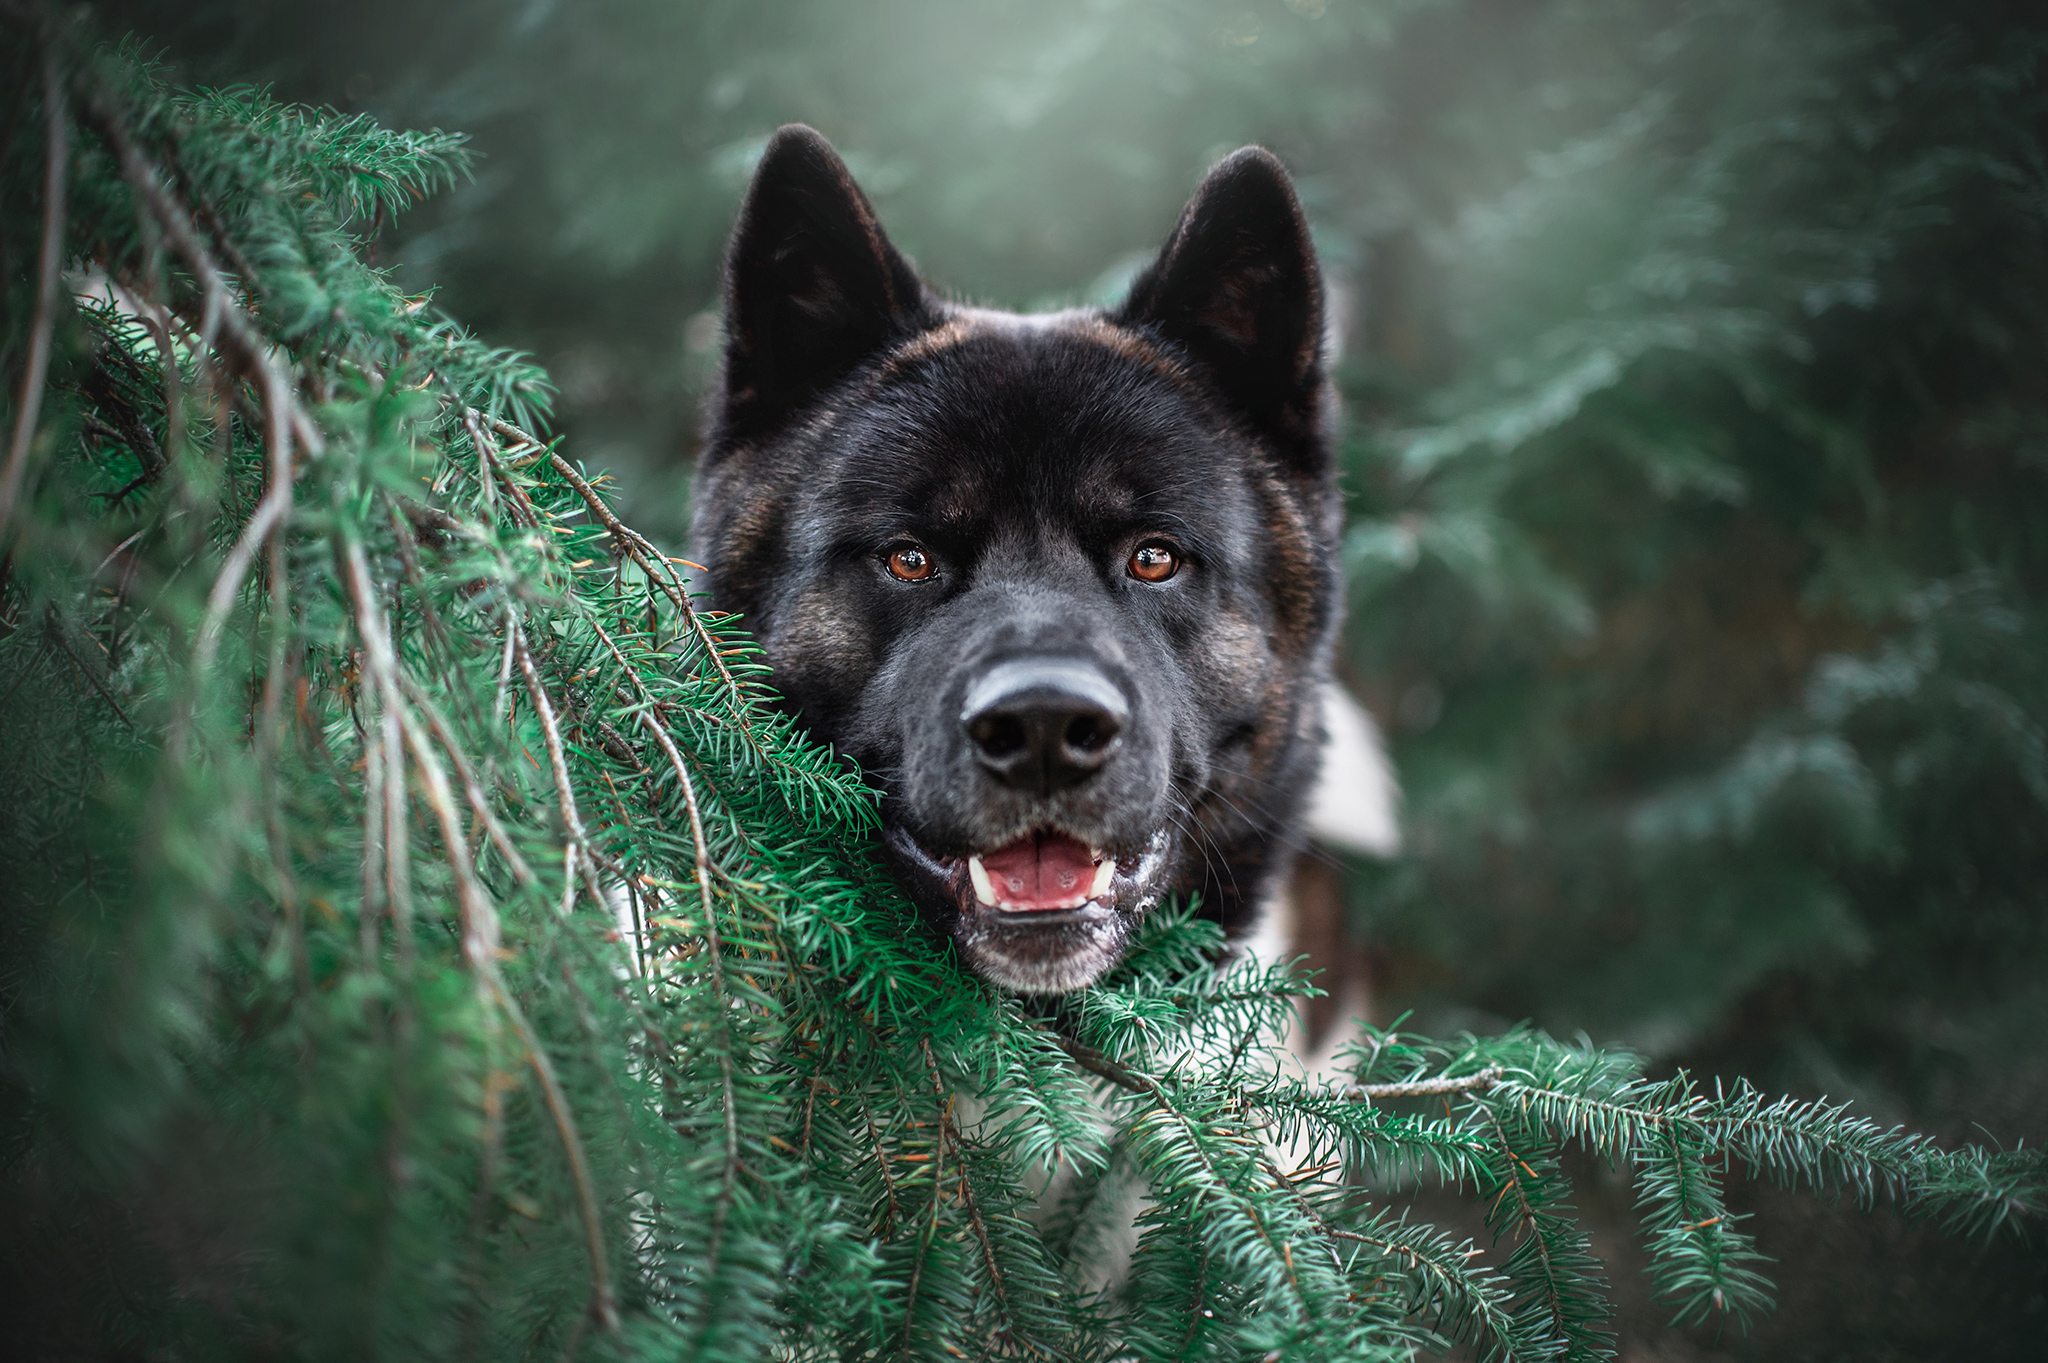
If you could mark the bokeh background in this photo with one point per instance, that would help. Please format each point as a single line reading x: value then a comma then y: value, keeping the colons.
x: 1695, y: 359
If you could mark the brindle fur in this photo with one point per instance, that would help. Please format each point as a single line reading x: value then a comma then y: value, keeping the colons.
x: 1029, y: 455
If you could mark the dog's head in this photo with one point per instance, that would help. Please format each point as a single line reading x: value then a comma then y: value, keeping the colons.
x: 1062, y: 584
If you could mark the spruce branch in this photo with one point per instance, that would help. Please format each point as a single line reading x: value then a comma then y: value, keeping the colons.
x: 222, y: 320
x: 1095, y: 1062
x: 882, y: 1166
x: 1530, y: 1229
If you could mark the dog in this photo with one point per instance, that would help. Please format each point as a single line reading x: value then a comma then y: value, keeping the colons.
x: 1064, y: 585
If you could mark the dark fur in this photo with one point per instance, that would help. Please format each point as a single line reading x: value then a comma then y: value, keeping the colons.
x: 1029, y: 456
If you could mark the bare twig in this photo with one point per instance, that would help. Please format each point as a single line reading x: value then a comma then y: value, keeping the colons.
x: 946, y: 1133
x: 703, y: 851
x: 128, y: 428
x: 480, y: 934
x: 29, y: 408
x: 369, y: 698
x: 386, y: 795
x: 492, y: 469
x: 244, y: 346
x: 551, y: 734
x: 501, y: 700
x: 483, y: 471
x: 1423, y: 1088
x: 604, y: 1303
x: 480, y: 924
x: 472, y: 789
x: 882, y: 1163
x: 397, y: 827
x: 811, y: 1087
x: 1095, y: 1062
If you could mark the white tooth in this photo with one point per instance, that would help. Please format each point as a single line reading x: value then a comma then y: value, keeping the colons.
x: 1104, y: 869
x: 984, y: 888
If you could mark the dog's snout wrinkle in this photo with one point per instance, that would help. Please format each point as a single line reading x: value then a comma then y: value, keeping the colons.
x: 1043, y: 724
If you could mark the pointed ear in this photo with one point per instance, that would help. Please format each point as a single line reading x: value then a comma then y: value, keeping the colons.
x: 1236, y: 287
x: 812, y: 287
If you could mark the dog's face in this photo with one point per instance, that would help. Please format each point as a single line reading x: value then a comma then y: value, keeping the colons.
x: 1062, y: 584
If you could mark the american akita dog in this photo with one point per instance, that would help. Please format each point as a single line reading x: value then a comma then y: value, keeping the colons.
x: 1065, y: 585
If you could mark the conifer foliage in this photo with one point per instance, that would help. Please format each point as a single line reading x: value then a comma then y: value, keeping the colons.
x: 425, y: 938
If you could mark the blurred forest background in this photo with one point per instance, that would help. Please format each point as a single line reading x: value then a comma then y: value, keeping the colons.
x: 1695, y: 358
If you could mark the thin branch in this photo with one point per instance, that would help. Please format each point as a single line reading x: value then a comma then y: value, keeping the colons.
x: 397, y: 826
x: 1525, y: 1213
x: 492, y: 468
x: 882, y: 1163
x: 128, y: 428
x: 58, y: 633
x: 480, y: 932
x: 270, y: 741
x: 716, y: 953
x: 637, y: 547
x: 603, y: 1299
x: 1422, y: 1088
x: 483, y: 472
x: 1095, y: 1062
x: 245, y: 346
x: 1187, y: 1345
x: 368, y: 702
x: 472, y: 789
x: 812, y: 1085
x: 480, y: 923
x: 552, y: 735
x: 29, y: 408
x: 946, y: 1133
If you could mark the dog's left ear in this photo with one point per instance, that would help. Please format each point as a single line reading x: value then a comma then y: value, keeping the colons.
x: 1237, y: 288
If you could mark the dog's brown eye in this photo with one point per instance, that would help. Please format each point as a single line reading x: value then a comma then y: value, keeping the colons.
x: 1154, y: 562
x: 910, y: 564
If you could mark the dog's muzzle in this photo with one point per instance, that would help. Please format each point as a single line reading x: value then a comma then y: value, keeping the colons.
x: 1047, y: 889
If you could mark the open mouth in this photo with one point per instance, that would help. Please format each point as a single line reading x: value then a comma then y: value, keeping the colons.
x: 1041, y: 872
x: 1043, y: 913
x: 1045, y: 876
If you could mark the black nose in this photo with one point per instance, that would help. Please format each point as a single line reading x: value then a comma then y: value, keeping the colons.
x: 1043, y: 724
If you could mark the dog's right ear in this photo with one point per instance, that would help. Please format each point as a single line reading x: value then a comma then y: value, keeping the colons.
x: 812, y: 287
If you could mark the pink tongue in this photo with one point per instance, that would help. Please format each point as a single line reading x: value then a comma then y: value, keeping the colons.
x: 1041, y: 871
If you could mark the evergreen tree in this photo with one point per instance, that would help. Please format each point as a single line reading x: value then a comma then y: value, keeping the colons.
x: 341, y: 714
